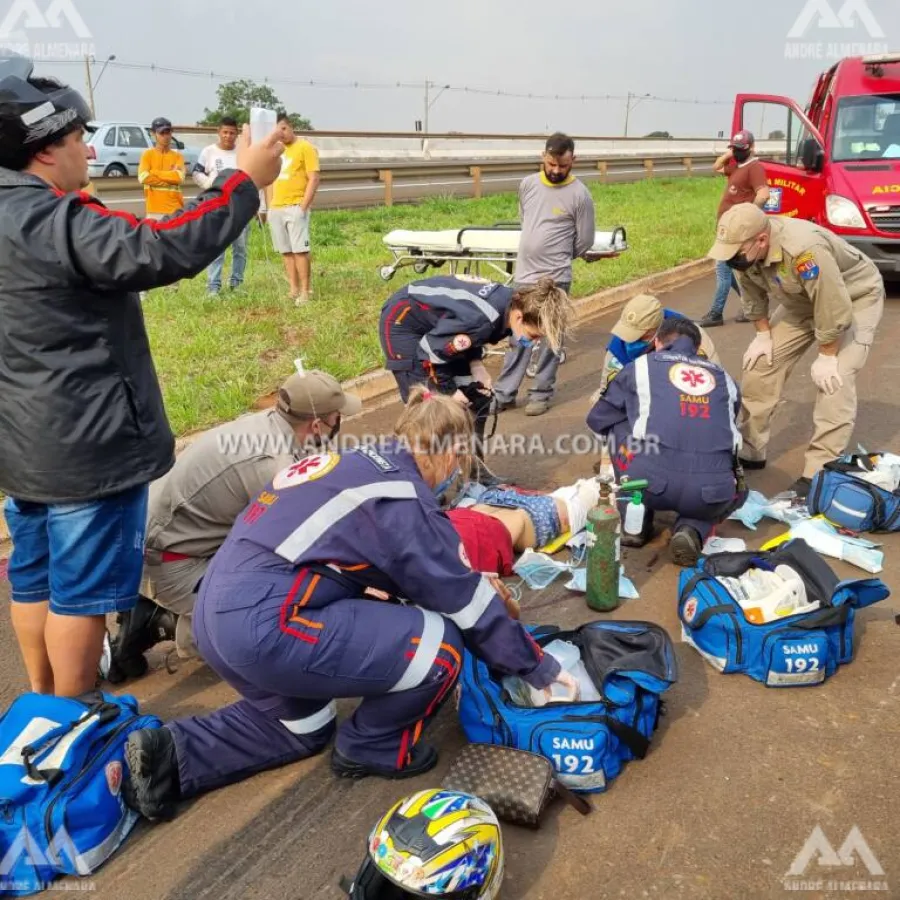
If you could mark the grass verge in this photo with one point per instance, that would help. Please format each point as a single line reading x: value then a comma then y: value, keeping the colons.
x: 216, y: 356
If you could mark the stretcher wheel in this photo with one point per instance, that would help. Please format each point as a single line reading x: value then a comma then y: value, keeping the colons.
x: 420, y: 268
x: 386, y: 273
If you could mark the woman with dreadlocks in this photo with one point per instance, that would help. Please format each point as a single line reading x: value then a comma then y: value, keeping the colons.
x: 434, y: 332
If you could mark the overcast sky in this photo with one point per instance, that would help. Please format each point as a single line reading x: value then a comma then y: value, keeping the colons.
x: 686, y: 49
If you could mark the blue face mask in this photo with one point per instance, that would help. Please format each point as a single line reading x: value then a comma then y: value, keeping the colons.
x: 445, y: 484
x: 525, y: 342
x: 637, y: 348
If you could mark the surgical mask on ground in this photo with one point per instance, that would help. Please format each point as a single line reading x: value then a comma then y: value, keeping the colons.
x: 627, y: 590
x: 442, y: 487
x: 634, y: 349
x: 538, y: 570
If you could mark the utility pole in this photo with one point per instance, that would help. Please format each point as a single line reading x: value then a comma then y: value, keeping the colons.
x: 90, y: 85
x: 427, y: 107
x: 627, y: 112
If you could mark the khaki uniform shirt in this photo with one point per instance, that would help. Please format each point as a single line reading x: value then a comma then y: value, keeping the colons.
x: 815, y: 275
x: 194, y: 506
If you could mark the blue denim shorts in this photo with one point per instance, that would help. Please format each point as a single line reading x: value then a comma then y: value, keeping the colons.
x: 85, y: 558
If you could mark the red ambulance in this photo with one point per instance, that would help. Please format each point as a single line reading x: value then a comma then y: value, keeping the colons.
x: 841, y: 155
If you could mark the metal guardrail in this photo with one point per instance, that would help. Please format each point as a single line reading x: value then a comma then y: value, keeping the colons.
x: 404, y: 181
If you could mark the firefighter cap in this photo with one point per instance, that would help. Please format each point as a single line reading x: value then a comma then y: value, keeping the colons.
x: 738, y: 225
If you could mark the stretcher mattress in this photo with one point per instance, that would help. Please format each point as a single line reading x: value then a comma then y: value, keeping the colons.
x: 485, y: 241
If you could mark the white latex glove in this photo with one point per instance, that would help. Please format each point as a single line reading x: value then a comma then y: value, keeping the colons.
x: 825, y: 374
x: 480, y: 373
x: 761, y: 346
x: 571, y: 686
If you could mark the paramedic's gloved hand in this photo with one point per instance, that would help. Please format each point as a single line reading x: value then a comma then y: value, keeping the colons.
x: 480, y: 373
x: 762, y: 346
x: 825, y: 374
x: 505, y: 594
x: 570, y: 684
x: 262, y: 160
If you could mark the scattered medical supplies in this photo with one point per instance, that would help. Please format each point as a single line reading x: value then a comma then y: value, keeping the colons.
x: 828, y: 540
x: 747, y: 613
x: 630, y: 664
x: 627, y: 590
x: 786, y: 507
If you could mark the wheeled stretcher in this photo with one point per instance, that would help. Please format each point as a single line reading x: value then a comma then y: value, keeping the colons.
x: 468, y: 249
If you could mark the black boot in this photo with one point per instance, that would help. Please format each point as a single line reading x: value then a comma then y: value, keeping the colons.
x: 139, y: 629
x: 424, y: 758
x: 686, y: 547
x: 152, y: 787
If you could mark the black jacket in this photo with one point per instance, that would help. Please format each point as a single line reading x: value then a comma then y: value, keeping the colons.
x: 81, y: 411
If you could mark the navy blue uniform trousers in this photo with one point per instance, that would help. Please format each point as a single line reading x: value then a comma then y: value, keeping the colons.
x: 699, y: 487
x: 289, y: 662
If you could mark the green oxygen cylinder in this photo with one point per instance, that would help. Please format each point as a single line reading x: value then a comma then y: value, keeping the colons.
x: 604, y: 528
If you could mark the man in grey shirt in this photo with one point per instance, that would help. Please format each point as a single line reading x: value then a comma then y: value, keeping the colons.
x: 219, y: 477
x: 557, y: 213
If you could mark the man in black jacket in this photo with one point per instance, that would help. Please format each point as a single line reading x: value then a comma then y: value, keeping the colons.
x: 83, y: 429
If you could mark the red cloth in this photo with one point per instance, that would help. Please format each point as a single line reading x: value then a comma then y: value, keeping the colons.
x: 487, y: 542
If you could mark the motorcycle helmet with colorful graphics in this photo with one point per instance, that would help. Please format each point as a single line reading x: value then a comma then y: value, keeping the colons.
x: 435, y: 843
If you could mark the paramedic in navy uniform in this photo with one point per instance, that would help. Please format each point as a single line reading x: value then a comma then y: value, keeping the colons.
x: 672, y: 414
x: 434, y: 331
x: 292, y: 614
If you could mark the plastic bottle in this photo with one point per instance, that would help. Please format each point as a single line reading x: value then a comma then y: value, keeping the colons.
x: 635, y: 514
x: 604, y: 529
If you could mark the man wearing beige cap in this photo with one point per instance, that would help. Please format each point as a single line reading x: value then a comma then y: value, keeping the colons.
x: 632, y: 336
x: 216, y: 479
x: 829, y: 294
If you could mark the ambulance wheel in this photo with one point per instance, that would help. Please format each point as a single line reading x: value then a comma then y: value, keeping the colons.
x: 386, y: 273
x: 420, y: 268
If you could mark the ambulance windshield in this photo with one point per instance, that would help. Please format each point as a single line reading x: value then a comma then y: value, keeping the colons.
x: 867, y: 128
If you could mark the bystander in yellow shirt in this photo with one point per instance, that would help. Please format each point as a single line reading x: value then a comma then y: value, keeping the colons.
x: 297, y: 162
x: 162, y: 175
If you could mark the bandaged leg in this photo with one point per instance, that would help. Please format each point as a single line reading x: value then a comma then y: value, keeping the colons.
x: 579, y: 498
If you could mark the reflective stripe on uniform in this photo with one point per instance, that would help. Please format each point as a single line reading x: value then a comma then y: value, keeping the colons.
x: 311, y: 724
x: 326, y: 517
x: 737, y: 439
x: 469, y: 615
x: 432, y: 356
x: 486, y: 309
x: 426, y: 653
x: 642, y: 385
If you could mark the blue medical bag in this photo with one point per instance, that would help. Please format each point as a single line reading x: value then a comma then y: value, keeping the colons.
x: 62, y: 764
x: 588, y: 743
x: 799, y: 650
x: 850, y: 502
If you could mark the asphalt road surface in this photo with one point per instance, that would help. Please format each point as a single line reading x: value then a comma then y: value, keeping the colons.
x: 738, y: 776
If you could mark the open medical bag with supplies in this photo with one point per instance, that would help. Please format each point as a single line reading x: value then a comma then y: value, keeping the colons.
x: 588, y: 742
x: 62, y: 765
x: 803, y: 648
x: 858, y: 492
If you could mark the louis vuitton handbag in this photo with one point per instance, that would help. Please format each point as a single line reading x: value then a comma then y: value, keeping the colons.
x: 516, y: 784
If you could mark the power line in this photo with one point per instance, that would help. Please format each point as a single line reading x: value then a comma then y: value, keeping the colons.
x: 397, y: 85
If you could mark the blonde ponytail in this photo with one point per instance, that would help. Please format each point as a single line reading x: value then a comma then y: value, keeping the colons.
x: 547, y: 308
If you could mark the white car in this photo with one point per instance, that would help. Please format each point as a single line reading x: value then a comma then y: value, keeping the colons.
x: 116, y: 149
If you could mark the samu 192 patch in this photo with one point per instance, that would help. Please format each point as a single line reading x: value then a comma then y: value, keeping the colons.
x: 806, y: 267
x: 459, y: 344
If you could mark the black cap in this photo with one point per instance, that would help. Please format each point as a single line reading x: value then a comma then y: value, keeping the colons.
x: 160, y: 123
